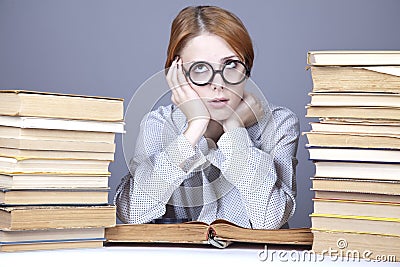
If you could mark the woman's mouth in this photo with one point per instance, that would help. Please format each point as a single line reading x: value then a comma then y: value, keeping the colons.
x: 218, y: 102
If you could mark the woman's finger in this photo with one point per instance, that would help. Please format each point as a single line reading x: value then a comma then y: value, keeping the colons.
x: 170, y: 74
x: 178, y: 89
x: 175, y: 86
x: 181, y: 76
x: 186, y: 89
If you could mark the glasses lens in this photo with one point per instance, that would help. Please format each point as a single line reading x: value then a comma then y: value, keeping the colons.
x: 201, y: 73
x: 234, y: 72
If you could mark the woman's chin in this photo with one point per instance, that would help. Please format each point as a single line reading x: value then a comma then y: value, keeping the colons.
x: 220, y: 116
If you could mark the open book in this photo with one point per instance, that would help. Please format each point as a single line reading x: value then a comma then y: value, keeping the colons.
x: 220, y: 233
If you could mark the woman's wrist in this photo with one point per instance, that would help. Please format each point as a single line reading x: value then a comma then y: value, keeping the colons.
x: 231, y: 124
x: 195, y: 130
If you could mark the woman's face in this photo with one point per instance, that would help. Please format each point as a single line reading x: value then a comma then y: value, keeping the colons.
x: 220, y: 98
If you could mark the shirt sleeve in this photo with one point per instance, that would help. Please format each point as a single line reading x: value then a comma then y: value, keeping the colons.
x: 162, y: 161
x: 264, y: 174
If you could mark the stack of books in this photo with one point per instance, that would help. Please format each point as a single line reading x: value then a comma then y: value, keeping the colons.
x: 55, y: 150
x: 355, y: 147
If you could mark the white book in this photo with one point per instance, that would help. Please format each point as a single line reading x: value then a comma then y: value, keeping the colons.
x: 53, y: 154
x: 358, y: 170
x: 42, y: 181
x: 56, y: 135
x: 354, y: 154
x: 355, y: 99
x: 62, y: 124
x: 354, y: 58
x: 356, y: 126
x: 50, y: 145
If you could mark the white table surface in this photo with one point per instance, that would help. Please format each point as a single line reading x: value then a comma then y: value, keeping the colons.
x: 165, y: 255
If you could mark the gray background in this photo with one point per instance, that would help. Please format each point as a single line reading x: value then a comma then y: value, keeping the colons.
x: 109, y: 48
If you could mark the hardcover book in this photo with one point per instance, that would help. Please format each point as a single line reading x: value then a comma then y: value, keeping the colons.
x: 355, y: 196
x: 11, y: 241
x: 52, y: 181
x: 366, y: 208
x: 373, y: 186
x: 56, y: 217
x: 356, y: 224
x: 353, y: 154
x: 59, y: 196
x: 54, y: 145
x: 358, y: 170
x: 56, y: 135
x: 220, y: 233
x: 354, y: 58
x: 358, y: 99
x: 359, y: 112
x: 54, y: 154
x: 62, y: 124
x: 54, y: 166
x: 355, y: 244
x: 382, y: 79
x: 53, y: 245
x: 54, y: 105
x: 360, y: 140
x: 382, y: 127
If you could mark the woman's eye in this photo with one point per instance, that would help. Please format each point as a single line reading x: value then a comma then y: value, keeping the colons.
x: 231, y: 65
x: 201, y: 68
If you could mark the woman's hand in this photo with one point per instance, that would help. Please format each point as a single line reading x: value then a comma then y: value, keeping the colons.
x: 248, y: 112
x: 188, y: 101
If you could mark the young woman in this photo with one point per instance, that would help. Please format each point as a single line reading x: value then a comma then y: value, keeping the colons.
x: 217, y: 152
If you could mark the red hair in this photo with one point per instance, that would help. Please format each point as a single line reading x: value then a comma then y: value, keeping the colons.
x: 193, y: 21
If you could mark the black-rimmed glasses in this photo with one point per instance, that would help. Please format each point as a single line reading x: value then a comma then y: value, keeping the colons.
x: 202, y: 73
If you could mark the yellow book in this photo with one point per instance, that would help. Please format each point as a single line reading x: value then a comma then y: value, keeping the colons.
x: 356, y: 224
x: 357, y: 207
x: 54, y: 196
x: 55, y: 145
x: 21, y: 154
x: 360, y: 140
x: 56, y: 135
x: 59, y: 166
x: 382, y: 79
x: 56, y: 217
x: 220, y: 233
x: 52, y: 181
x: 360, y: 246
x: 361, y: 112
x: 55, y: 105
x: 51, y: 245
x: 341, y: 125
x: 340, y: 195
x: 372, y: 186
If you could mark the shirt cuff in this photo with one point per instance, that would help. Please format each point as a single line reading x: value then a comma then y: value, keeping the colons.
x: 181, y: 153
x: 235, y: 139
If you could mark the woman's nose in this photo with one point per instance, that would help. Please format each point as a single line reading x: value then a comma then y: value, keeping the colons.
x: 218, y: 82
